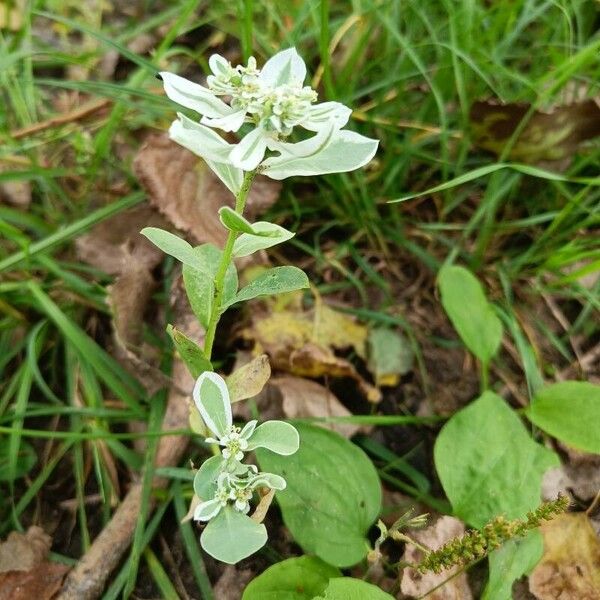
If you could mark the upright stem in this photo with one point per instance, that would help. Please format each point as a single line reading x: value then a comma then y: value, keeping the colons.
x: 215, y: 313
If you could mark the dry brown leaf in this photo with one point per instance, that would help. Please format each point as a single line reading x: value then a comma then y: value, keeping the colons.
x: 570, y: 566
x: 419, y: 585
x: 301, y: 341
x: 262, y: 508
x: 579, y: 478
x: 22, y: 551
x: 549, y: 137
x: 305, y: 398
x: 187, y: 192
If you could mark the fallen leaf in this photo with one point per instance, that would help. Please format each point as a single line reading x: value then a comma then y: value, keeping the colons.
x: 390, y: 356
x: 570, y: 566
x: 187, y: 192
x: 260, y: 512
x: 333, y: 328
x: 305, y: 398
x: 22, y: 551
x: 248, y: 380
x: 547, y: 137
x: 578, y: 478
x: 425, y: 586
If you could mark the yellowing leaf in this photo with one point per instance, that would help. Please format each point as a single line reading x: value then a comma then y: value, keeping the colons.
x: 249, y: 380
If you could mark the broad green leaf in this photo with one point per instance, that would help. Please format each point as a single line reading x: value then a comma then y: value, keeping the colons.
x: 510, y: 562
x: 234, y: 221
x: 205, y: 480
x: 199, y: 282
x: 300, y: 578
x: 276, y: 436
x: 267, y: 235
x: 348, y: 588
x: 249, y: 380
x: 333, y: 495
x: 471, y: 314
x: 390, y: 356
x: 26, y: 460
x: 190, y: 352
x: 569, y: 411
x: 212, y: 400
x: 172, y: 245
x: 488, y: 464
x: 232, y: 536
x: 278, y: 280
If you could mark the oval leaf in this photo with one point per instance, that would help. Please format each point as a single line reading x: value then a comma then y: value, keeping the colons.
x: 234, y: 221
x: 300, y: 578
x: 277, y: 436
x: 249, y: 380
x: 212, y: 400
x: 205, y: 480
x: 488, y: 464
x: 278, y: 280
x: 348, y: 588
x: 172, y: 245
x: 232, y: 536
x: 190, y: 352
x: 567, y: 410
x: 333, y: 495
x: 471, y: 314
x: 267, y: 235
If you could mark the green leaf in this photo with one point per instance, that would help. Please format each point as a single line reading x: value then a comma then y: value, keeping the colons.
x: 205, y: 479
x: 390, y: 356
x: 348, y: 588
x: 199, y: 282
x: 569, y: 411
x: 235, y: 222
x: 276, y: 436
x: 488, y: 464
x: 278, y: 280
x: 267, y: 235
x: 232, y: 536
x: 190, y: 352
x: 471, y: 314
x: 510, y: 562
x: 172, y: 245
x: 212, y: 400
x: 333, y: 495
x: 300, y: 578
x: 26, y: 459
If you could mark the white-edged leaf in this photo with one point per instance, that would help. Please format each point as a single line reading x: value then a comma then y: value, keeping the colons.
x: 278, y: 436
x: 172, y: 245
x: 283, y: 68
x: 278, y: 280
x: 270, y: 480
x: 232, y: 536
x: 267, y: 235
x: 234, y: 221
x: 248, y: 153
x: 205, y: 479
x: 326, y: 112
x: 230, y: 122
x: 205, y: 511
x: 347, y: 151
x: 194, y: 96
x: 231, y: 176
x: 212, y: 400
x: 307, y: 148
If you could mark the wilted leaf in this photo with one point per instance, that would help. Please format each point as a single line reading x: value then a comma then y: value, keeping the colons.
x: 186, y: 191
x: 547, y: 136
x: 418, y: 585
x: 305, y: 398
x: 249, y: 380
x: 570, y: 566
x: 390, y: 356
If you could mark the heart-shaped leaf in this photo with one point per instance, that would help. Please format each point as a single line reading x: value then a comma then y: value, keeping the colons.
x: 488, y: 463
x: 332, y: 497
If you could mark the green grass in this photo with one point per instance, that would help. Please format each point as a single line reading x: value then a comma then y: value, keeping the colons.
x: 411, y: 70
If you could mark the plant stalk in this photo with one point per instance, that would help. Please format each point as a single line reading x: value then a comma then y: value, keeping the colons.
x: 215, y: 313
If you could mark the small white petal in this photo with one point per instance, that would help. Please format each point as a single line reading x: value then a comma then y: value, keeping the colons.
x: 285, y: 67
x: 248, y: 154
x: 194, y: 96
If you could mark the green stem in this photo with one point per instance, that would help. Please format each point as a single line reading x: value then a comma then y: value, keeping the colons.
x: 485, y: 376
x: 215, y: 313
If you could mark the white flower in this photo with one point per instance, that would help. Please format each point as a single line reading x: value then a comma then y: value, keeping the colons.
x: 275, y: 101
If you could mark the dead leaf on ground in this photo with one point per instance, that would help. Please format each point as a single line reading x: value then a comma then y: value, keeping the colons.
x: 570, y: 566
x: 305, y: 398
x: 248, y: 380
x: 579, y: 478
x: 189, y: 194
x: 415, y: 584
x: 24, y: 571
x: 301, y: 342
x: 548, y: 137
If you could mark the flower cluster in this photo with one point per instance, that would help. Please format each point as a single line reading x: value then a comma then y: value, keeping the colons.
x: 274, y: 100
x: 224, y: 480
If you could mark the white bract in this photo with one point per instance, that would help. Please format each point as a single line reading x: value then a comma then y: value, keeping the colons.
x: 274, y: 102
x: 225, y: 480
